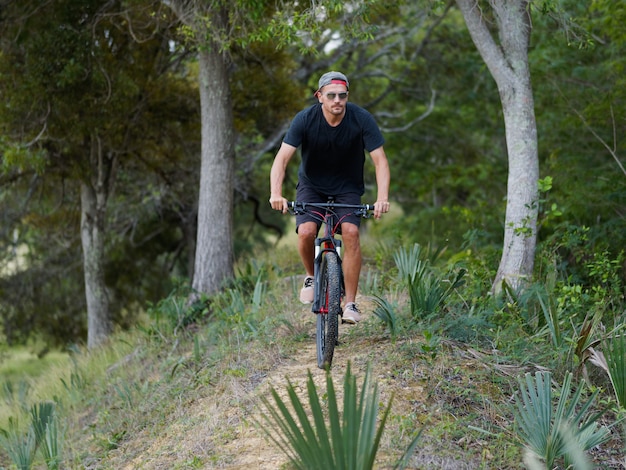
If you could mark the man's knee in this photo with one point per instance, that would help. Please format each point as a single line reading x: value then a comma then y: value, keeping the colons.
x: 307, y: 230
x: 349, y: 232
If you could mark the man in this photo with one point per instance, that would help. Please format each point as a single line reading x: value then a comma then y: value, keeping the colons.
x: 334, y: 136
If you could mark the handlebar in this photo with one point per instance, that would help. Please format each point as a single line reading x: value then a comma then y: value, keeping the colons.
x: 297, y: 205
x: 362, y: 210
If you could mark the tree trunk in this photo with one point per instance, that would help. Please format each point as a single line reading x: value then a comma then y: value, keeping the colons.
x: 214, y: 244
x: 508, y: 64
x: 93, y: 196
x: 214, y: 239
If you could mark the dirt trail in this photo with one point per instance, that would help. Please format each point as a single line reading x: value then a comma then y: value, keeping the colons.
x: 217, y: 430
x: 250, y: 449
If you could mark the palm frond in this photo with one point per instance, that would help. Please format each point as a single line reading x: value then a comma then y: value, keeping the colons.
x: 341, y: 440
x: 550, y: 432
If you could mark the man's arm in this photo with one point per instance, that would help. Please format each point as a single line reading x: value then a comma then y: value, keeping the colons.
x: 383, y: 177
x: 277, y: 176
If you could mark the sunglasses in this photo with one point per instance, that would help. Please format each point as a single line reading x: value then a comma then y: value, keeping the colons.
x: 342, y: 96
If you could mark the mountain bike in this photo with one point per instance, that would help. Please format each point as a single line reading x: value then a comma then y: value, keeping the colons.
x: 328, y: 276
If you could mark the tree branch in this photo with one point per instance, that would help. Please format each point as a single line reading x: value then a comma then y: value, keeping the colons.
x: 492, y: 54
x: 612, y: 151
x: 421, y: 117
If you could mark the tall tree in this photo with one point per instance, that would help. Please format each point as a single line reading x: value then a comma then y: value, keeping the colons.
x: 507, y: 60
x: 82, y: 86
x: 208, y: 21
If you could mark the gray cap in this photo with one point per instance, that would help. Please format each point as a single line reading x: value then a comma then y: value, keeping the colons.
x: 333, y: 77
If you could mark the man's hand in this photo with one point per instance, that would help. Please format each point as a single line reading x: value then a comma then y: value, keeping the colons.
x: 380, y: 207
x: 278, y: 203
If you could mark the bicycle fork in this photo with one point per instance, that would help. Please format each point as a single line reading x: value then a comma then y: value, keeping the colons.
x: 323, y: 245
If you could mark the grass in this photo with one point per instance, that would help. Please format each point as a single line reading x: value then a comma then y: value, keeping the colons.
x: 146, y: 405
x: 21, y: 362
x: 187, y: 394
x: 23, y: 374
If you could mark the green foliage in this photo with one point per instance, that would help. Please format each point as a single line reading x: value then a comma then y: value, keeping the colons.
x: 409, y: 262
x: 553, y: 320
x: 20, y: 447
x: 239, y: 303
x: 77, y: 382
x: 473, y: 326
x: 288, y: 23
x: 172, y: 313
x: 547, y: 211
x: 43, y: 433
x: 548, y: 432
x: 606, y: 276
x: 345, y: 439
x: 83, y: 78
x: 387, y: 314
x: 45, y: 425
x: 239, y: 306
x: 223, y: 359
x: 41, y: 415
x: 578, y: 290
x: 19, y: 159
x: 427, y: 291
x: 15, y: 395
x: 613, y: 360
x: 431, y: 344
x: 578, y: 127
x: 51, y: 447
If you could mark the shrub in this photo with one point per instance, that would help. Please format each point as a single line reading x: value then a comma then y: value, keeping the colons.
x: 346, y: 440
x: 427, y: 290
x: 551, y: 433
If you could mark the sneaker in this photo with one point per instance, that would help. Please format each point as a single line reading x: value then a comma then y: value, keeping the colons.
x: 351, y: 314
x: 307, y: 291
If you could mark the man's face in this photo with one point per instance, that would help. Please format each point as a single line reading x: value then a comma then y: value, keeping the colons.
x: 334, y: 98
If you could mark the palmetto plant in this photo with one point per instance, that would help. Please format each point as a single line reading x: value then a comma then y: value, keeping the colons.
x: 613, y: 361
x: 551, y: 433
x: 44, y: 424
x: 387, y: 314
x: 615, y: 353
x: 338, y: 440
x: 20, y: 447
x: 410, y: 263
x: 427, y: 291
x: 43, y: 434
x: 552, y: 316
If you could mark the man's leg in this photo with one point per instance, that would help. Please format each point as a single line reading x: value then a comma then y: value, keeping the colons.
x: 351, y: 259
x: 307, y: 231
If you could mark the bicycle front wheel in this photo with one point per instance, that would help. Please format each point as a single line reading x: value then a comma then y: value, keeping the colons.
x: 328, y: 318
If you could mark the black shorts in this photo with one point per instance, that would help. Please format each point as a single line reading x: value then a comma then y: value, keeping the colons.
x: 305, y: 193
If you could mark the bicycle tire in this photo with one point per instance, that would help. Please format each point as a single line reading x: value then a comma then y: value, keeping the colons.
x: 328, y: 319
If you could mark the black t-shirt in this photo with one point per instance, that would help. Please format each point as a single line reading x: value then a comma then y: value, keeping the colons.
x: 333, y: 157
